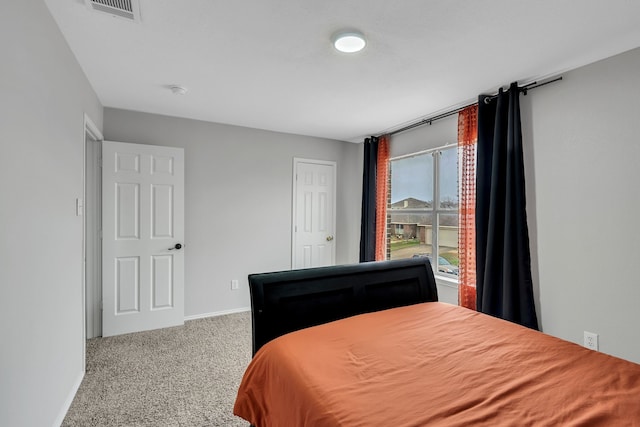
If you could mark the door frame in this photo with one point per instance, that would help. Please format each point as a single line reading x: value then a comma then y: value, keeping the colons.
x: 91, y: 133
x: 294, y: 199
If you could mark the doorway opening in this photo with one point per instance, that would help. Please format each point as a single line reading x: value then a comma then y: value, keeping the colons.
x: 92, y: 250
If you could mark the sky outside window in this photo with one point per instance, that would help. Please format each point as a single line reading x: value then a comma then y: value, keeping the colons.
x: 412, y: 177
x: 448, y: 169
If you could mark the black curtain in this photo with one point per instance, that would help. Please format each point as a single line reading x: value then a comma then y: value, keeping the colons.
x: 368, y: 222
x: 503, y: 260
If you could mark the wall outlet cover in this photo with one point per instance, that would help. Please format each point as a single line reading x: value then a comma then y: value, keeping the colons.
x: 591, y: 340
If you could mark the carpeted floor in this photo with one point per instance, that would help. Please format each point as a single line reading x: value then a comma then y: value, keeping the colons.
x: 181, y: 376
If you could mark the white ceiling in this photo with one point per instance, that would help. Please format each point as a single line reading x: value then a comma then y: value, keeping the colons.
x: 269, y: 64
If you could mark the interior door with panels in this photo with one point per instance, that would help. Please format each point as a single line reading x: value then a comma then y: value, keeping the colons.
x: 143, y: 235
x: 314, y: 213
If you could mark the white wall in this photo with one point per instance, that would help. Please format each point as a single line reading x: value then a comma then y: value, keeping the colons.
x: 238, y: 184
x: 583, y: 200
x: 43, y: 97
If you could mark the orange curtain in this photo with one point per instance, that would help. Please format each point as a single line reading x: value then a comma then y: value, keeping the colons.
x: 382, y: 194
x: 467, y: 142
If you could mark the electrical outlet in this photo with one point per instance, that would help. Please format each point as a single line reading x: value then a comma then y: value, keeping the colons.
x: 234, y: 285
x: 591, y: 340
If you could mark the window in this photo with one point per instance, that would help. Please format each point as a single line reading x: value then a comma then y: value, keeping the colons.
x: 423, y: 209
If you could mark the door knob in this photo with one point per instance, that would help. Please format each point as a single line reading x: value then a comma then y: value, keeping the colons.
x: 329, y: 238
x: 177, y: 247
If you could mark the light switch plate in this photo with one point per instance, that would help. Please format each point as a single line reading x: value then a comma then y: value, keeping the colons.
x: 79, y: 206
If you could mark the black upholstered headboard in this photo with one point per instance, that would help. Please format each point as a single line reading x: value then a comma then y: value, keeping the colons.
x: 285, y: 301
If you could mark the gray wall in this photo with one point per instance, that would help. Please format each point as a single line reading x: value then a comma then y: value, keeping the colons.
x: 238, y: 184
x: 581, y: 163
x: 43, y: 97
x: 583, y: 202
x: 439, y: 133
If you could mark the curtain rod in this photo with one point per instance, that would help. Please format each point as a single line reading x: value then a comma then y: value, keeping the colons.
x: 524, y: 89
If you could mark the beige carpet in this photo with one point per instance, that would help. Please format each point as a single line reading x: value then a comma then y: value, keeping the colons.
x: 181, y: 376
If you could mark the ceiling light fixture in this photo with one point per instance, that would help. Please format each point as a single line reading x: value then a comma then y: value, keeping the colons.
x: 349, y: 41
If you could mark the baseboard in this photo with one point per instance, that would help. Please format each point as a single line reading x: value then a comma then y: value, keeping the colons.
x: 68, y: 401
x: 217, y: 313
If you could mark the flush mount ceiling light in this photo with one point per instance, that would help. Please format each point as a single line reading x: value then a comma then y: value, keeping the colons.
x: 349, y: 41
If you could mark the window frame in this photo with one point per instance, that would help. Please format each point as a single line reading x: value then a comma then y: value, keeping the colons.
x: 436, y: 210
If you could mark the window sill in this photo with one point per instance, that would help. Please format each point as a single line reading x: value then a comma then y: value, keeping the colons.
x: 446, y: 281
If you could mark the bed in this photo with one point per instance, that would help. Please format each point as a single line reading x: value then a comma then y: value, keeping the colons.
x: 370, y: 345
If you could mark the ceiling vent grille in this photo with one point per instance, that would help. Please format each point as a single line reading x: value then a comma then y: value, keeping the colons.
x: 128, y: 9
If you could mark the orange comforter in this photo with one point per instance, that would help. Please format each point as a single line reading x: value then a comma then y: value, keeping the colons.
x: 434, y: 364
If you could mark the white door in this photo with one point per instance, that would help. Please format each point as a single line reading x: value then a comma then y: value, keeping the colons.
x: 142, y: 237
x: 314, y: 213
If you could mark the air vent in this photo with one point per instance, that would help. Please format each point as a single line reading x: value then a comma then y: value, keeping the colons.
x: 128, y: 9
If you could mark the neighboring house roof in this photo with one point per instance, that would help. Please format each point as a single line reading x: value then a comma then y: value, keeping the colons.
x: 410, y: 203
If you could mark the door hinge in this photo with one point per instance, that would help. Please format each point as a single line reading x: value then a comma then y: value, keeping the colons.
x: 99, y: 162
x: 101, y: 305
x: 99, y: 234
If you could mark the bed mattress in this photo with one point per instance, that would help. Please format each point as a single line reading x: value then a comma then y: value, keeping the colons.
x: 434, y: 364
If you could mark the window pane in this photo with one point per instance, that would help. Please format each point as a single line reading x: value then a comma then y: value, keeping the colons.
x: 411, y: 235
x: 414, y: 211
x: 448, y: 178
x: 412, y: 182
x: 448, y: 245
x: 411, y: 206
